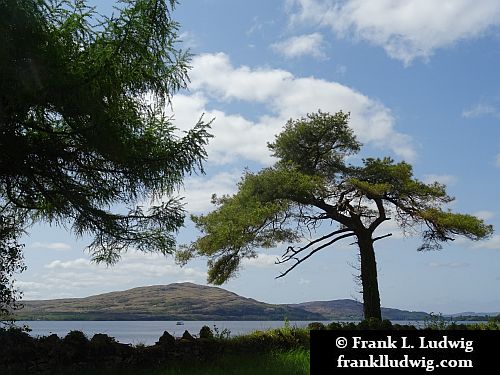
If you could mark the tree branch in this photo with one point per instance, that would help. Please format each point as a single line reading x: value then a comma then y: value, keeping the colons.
x: 285, y: 257
x: 334, y: 213
x: 381, y: 237
x: 299, y: 261
x: 382, y: 215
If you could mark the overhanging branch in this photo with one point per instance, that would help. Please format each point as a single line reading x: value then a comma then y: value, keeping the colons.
x: 291, y: 252
x: 381, y: 237
x: 300, y: 260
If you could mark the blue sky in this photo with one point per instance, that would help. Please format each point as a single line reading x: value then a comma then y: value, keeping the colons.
x: 421, y: 79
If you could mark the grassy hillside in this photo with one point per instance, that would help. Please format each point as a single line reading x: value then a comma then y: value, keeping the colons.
x: 345, y: 309
x: 182, y: 301
x: 187, y: 301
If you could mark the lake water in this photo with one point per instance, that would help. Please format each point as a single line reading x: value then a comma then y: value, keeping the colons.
x: 148, y: 332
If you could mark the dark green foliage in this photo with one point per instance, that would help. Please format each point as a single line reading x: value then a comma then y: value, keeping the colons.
x: 368, y: 324
x: 86, y: 134
x: 312, y: 183
x: 441, y: 324
x: 187, y: 336
x: 76, y: 338
x: 373, y: 323
x: 16, y: 346
x: 316, y: 326
x: 51, y: 346
x: 413, y: 203
x: 278, y: 351
x: 85, y: 125
x: 316, y: 144
x: 435, y: 321
x: 11, y: 262
x: 206, y: 333
x: 279, y: 339
x: 294, y: 362
x: 334, y: 326
x: 102, y: 345
x: 76, y: 347
x: 221, y: 334
x: 166, y: 339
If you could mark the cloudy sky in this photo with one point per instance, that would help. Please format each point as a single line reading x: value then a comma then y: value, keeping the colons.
x: 421, y: 81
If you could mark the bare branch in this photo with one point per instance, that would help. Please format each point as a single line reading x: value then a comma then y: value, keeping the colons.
x: 299, y: 261
x: 286, y: 257
x: 381, y: 237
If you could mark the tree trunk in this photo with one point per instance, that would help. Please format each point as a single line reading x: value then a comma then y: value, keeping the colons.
x: 371, y: 296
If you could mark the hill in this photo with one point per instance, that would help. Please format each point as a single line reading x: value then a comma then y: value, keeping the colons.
x: 187, y: 301
x: 348, y: 309
x: 181, y: 301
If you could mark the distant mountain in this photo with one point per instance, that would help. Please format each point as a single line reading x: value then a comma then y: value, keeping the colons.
x: 347, y: 309
x: 182, y: 301
x: 471, y: 313
x: 472, y: 316
x: 187, y: 301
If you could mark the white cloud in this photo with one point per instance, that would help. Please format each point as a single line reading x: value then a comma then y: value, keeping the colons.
x: 215, y: 74
x: 50, y: 245
x: 259, y: 25
x: 493, y: 243
x: 35, y: 290
x: 407, y: 29
x: 199, y: 190
x: 283, y: 96
x: 31, y: 285
x: 391, y: 226
x: 444, y: 179
x: 80, y: 277
x: 262, y: 260
x: 237, y: 138
x: 189, y: 40
x: 302, y: 45
x: 448, y: 264
x: 485, y: 215
x: 478, y: 110
x: 79, y: 263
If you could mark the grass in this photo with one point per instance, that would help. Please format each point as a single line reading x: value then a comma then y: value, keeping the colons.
x: 272, y: 340
x: 436, y: 321
x: 292, y: 362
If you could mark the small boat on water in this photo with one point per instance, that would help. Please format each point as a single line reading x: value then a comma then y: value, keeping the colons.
x: 179, y: 323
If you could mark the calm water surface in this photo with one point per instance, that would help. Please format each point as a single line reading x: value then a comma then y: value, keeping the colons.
x: 147, y: 332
